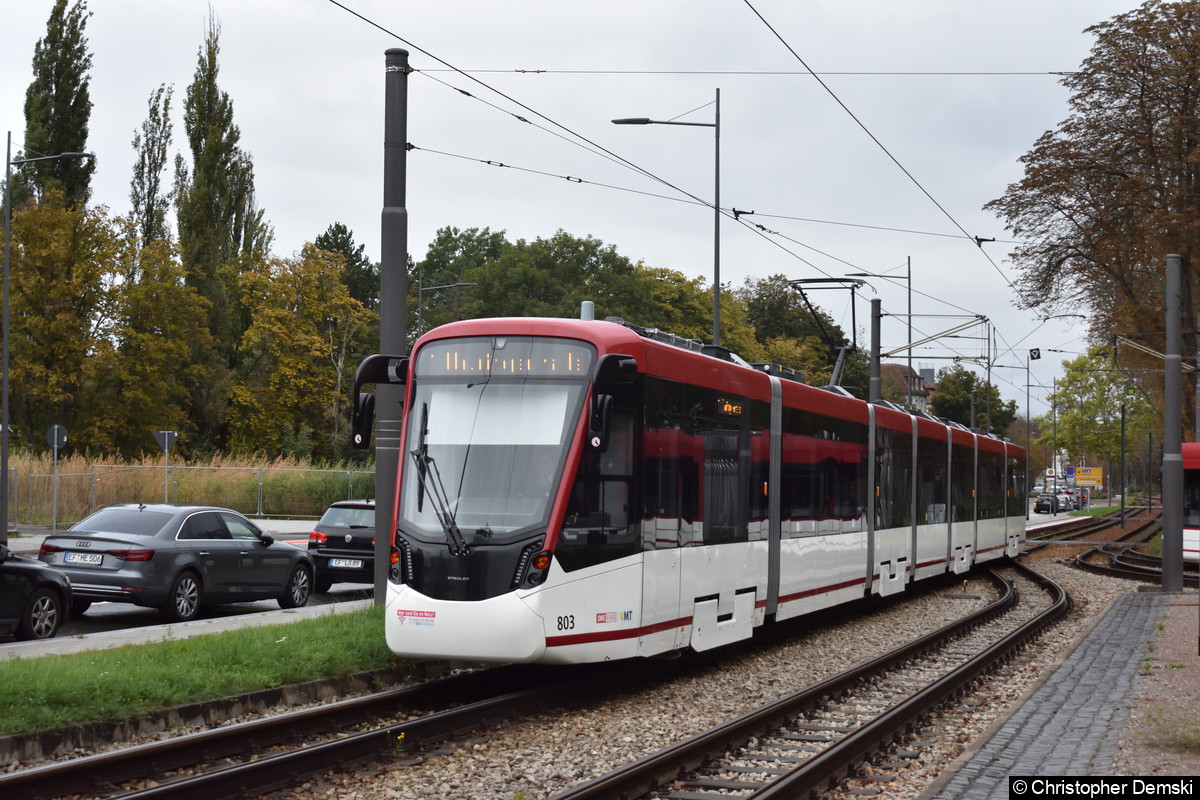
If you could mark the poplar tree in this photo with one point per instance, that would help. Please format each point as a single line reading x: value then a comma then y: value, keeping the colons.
x: 58, y: 107
x: 150, y: 145
x: 221, y: 231
x: 203, y: 193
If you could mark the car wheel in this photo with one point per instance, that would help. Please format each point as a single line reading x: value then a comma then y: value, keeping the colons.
x: 299, y: 587
x: 183, y: 603
x: 323, y: 585
x: 80, y: 607
x: 42, y: 616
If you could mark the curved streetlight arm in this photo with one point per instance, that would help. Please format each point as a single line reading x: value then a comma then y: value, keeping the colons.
x: 50, y: 158
x: 716, y: 126
x: 648, y: 121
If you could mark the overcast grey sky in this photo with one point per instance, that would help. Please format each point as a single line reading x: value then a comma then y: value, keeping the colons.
x: 954, y: 91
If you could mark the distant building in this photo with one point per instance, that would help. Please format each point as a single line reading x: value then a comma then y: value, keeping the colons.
x: 919, y: 388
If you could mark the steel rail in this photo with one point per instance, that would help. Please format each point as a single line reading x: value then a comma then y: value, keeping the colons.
x: 648, y: 773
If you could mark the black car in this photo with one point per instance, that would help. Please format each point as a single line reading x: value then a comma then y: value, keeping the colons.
x: 1046, y: 503
x: 34, y: 598
x: 342, y: 544
x: 176, y: 559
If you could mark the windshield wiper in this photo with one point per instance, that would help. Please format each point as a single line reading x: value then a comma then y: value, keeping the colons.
x: 441, y: 503
x: 437, y: 491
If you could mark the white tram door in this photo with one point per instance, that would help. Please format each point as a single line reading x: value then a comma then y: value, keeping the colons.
x: 1017, y: 503
x: 962, y: 488
x: 721, y: 577
x: 665, y: 528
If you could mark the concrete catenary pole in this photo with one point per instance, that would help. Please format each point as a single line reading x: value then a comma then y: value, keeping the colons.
x: 876, y: 388
x: 1172, y: 466
x: 393, y: 303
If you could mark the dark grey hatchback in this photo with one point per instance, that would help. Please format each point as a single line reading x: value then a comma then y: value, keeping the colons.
x: 176, y: 559
x: 342, y: 544
x: 34, y: 599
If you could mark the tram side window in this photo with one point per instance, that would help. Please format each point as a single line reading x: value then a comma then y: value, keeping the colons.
x: 1016, y: 500
x: 845, y: 487
x: 597, y: 526
x: 931, y: 487
x: 991, y: 485
x: 894, y: 465
x: 824, y: 464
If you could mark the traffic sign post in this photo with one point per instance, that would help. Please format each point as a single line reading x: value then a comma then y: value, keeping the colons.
x: 56, y: 437
x: 166, y: 439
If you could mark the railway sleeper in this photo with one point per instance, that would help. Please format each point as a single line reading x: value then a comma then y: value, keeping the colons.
x: 750, y: 770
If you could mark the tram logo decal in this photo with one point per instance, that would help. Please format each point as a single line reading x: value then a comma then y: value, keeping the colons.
x: 605, y: 617
x: 409, y: 617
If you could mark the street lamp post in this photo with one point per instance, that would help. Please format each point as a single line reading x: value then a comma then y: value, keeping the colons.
x: 716, y: 126
x: 908, y: 278
x: 4, y: 419
x: 421, y: 303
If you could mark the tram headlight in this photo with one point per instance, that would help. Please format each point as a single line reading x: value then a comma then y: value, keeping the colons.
x: 531, y: 566
x: 535, y: 574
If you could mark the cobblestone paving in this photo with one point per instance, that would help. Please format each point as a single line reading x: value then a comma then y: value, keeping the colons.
x: 1071, y: 724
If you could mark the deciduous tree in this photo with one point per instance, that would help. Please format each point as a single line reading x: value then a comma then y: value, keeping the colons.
x: 62, y: 312
x: 1115, y: 187
x: 291, y: 396
x: 952, y: 400
x: 142, y: 375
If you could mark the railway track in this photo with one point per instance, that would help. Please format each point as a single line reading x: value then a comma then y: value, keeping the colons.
x: 1082, y: 529
x: 258, y: 757
x: 1123, y: 560
x: 807, y: 741
x: 1121, y: 557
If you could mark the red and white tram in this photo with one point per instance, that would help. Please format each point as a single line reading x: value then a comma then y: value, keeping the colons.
x: 574, y: 491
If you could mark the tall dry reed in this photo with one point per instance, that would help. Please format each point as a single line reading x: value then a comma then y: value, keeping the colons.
x: 251, y: 485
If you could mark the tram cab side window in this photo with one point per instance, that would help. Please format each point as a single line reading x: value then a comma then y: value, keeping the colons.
x: 597, y: 525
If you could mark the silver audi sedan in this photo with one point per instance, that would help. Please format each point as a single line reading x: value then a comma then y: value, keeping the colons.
x: 176, y: 559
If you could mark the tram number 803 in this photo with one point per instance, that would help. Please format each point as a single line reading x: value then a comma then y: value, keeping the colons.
x: 566, y: 623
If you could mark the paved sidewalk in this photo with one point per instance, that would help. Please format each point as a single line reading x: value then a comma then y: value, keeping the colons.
x: 1071, y: 724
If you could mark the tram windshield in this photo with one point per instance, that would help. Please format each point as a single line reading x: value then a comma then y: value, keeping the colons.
x: 489, y: 424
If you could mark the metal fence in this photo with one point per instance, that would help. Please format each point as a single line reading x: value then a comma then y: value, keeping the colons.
x: 62, y: 499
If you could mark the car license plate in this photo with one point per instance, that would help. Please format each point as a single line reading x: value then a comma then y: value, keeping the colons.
x: 346, y: 563
x: 83, y: 558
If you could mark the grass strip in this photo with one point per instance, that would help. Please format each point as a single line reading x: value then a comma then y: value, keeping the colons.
x: 109, y: 685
